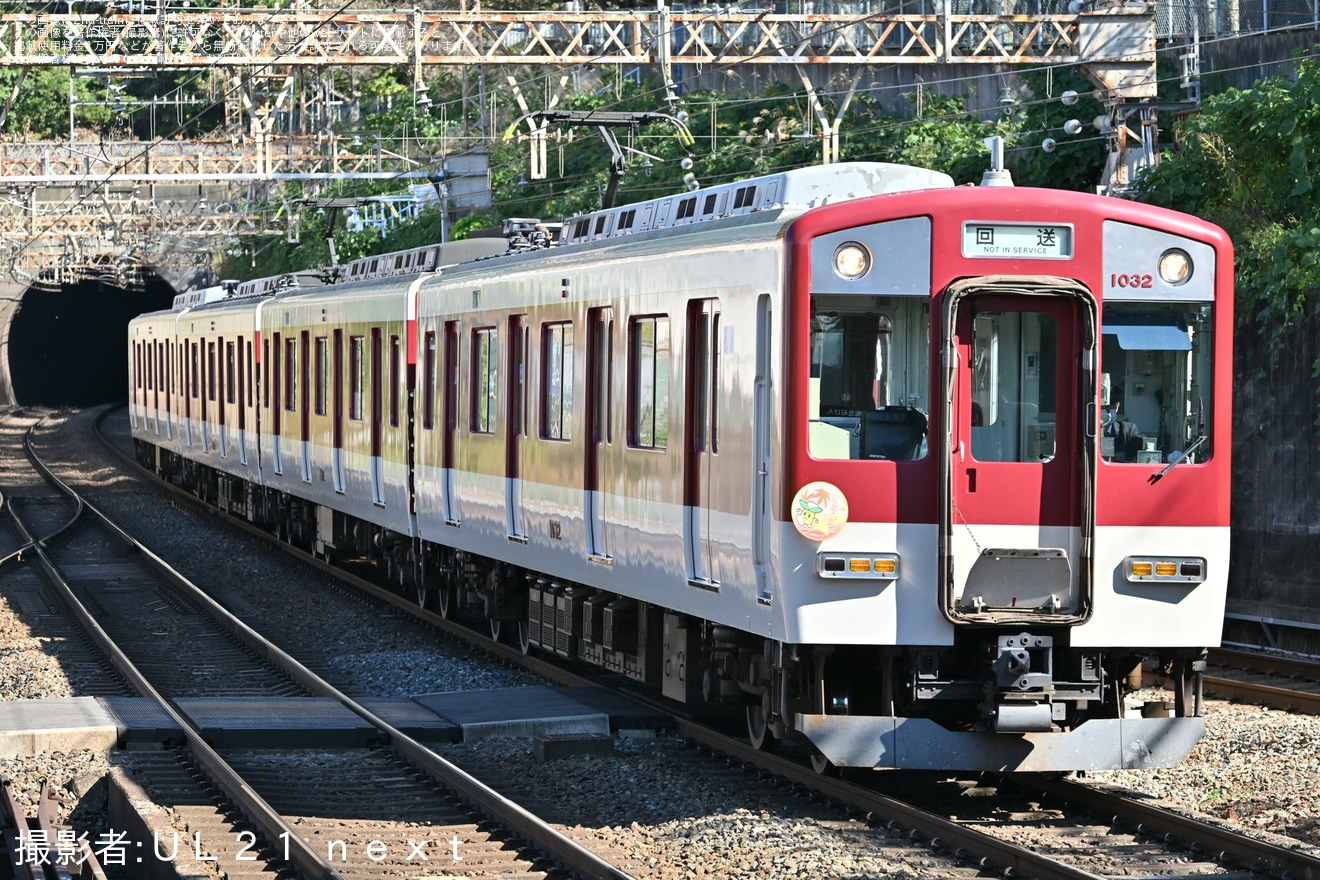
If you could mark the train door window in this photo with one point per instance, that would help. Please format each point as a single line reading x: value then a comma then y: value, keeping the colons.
x: 1156, y: 390
x: 276, y: 408
x: 265, y: 373
x: 870, y: 374
x: 450, y: 391
x: 230, y: 367
x: 518, y: 346
x: 357, y: 376
x: 337, y: 389
x: 395, y: 361
x: 374, y: 378
x: 322, y: 373
x: 290, y: 373
x: 196, y: 370
x: 485, y: 379
x: 557, y: 381
x: 251, y: 399
x: 242, y: 410
x: 210, y: 371
x: 1014, y: 361
x: 648, y: 382
x: 703, y: 371
x: 428, y: 380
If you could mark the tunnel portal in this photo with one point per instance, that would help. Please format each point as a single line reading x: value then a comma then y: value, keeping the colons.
x: 68, y: 347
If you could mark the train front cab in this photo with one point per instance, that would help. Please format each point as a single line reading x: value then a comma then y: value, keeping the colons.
x: 1009, y: 480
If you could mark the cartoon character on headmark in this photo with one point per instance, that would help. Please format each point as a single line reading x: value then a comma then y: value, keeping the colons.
x: 820, y: 511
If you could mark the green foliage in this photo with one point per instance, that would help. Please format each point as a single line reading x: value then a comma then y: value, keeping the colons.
x: 1077, y: 160
x: 1245, y: 163
x: 467, y: 225
x: 41, y: 109
x: 734, y: 137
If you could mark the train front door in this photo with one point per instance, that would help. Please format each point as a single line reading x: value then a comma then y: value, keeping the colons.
x: 1018, y: 444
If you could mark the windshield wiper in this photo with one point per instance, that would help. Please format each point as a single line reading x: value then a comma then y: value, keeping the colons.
x: 1178, y: 458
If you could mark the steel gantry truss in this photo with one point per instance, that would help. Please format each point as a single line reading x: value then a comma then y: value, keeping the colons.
x: 73, y: 209
x: 262, y: 38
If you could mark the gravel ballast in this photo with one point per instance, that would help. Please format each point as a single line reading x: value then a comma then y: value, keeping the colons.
x: 1256, y: 768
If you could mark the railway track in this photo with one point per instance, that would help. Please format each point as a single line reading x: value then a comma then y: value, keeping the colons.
x: 282, y: 813
x: 1279, y: 681
x: 1021, y: 826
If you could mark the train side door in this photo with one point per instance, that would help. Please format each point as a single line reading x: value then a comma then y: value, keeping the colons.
x: 761, y: 452
x: 239, y: 365
x: 337, y: 409
x: 305, y: 402
x: 600, y: 375
x: 515, y: 427
x: 449, y: 396
x: 276, y: 403
x: 168, y: 367
x: 701, y: 439
x: 377, y: 412
x: 1017, y: 516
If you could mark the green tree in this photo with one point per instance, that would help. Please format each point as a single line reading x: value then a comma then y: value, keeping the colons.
x: 1246, y: 163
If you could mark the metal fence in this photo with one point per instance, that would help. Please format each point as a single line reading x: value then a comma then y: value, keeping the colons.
x: 1221, y: 18
x: 1174, y: 18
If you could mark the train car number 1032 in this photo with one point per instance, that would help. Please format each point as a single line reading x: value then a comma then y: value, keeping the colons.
x: 1144, y: 280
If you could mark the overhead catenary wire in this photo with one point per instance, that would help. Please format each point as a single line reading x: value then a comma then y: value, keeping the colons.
x: 91, y: 187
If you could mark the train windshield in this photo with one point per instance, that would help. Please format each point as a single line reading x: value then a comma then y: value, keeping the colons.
x: 1155, y: 381
x: 870, y: 370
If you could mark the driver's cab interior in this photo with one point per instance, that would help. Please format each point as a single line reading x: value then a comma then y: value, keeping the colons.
x: 870, y: 370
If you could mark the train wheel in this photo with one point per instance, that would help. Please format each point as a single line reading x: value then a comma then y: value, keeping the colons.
x: 446, y: 595
x: 445, y: 602
x: 759, y: 733
x: 524, y: 637
x: 496, y: 629
x: 823, y: 765
x: 424, y: 595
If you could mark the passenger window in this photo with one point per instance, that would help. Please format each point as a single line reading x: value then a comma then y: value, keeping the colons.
x: 870, y: 370
x: 1156, y: 394
x: 648, y: 383
x: 485, y: 379
x: 557, y: 381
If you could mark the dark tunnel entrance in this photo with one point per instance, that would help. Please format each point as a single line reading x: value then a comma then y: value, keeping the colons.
x: 68, y: 347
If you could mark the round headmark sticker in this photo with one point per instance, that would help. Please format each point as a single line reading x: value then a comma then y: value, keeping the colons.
x: 820, y: 511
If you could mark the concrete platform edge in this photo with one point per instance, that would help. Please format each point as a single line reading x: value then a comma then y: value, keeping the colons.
x: 134, y: 813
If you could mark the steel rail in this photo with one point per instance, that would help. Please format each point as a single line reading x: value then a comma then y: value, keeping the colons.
x: 253, y: 806
x: 940, y: 832
x: 1225, y: 844
x: 988, y: 851
x: 524, y: 823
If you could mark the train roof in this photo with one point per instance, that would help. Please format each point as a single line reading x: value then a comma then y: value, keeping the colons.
x: 767, y: 197
x: 797, y: 189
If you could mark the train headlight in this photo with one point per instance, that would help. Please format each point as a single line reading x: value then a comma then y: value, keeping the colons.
x: 1175, y: 266
x: 851, y: 260
x: 1164, y: 569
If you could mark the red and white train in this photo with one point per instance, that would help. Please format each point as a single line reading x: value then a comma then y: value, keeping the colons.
x: 921, y: 474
